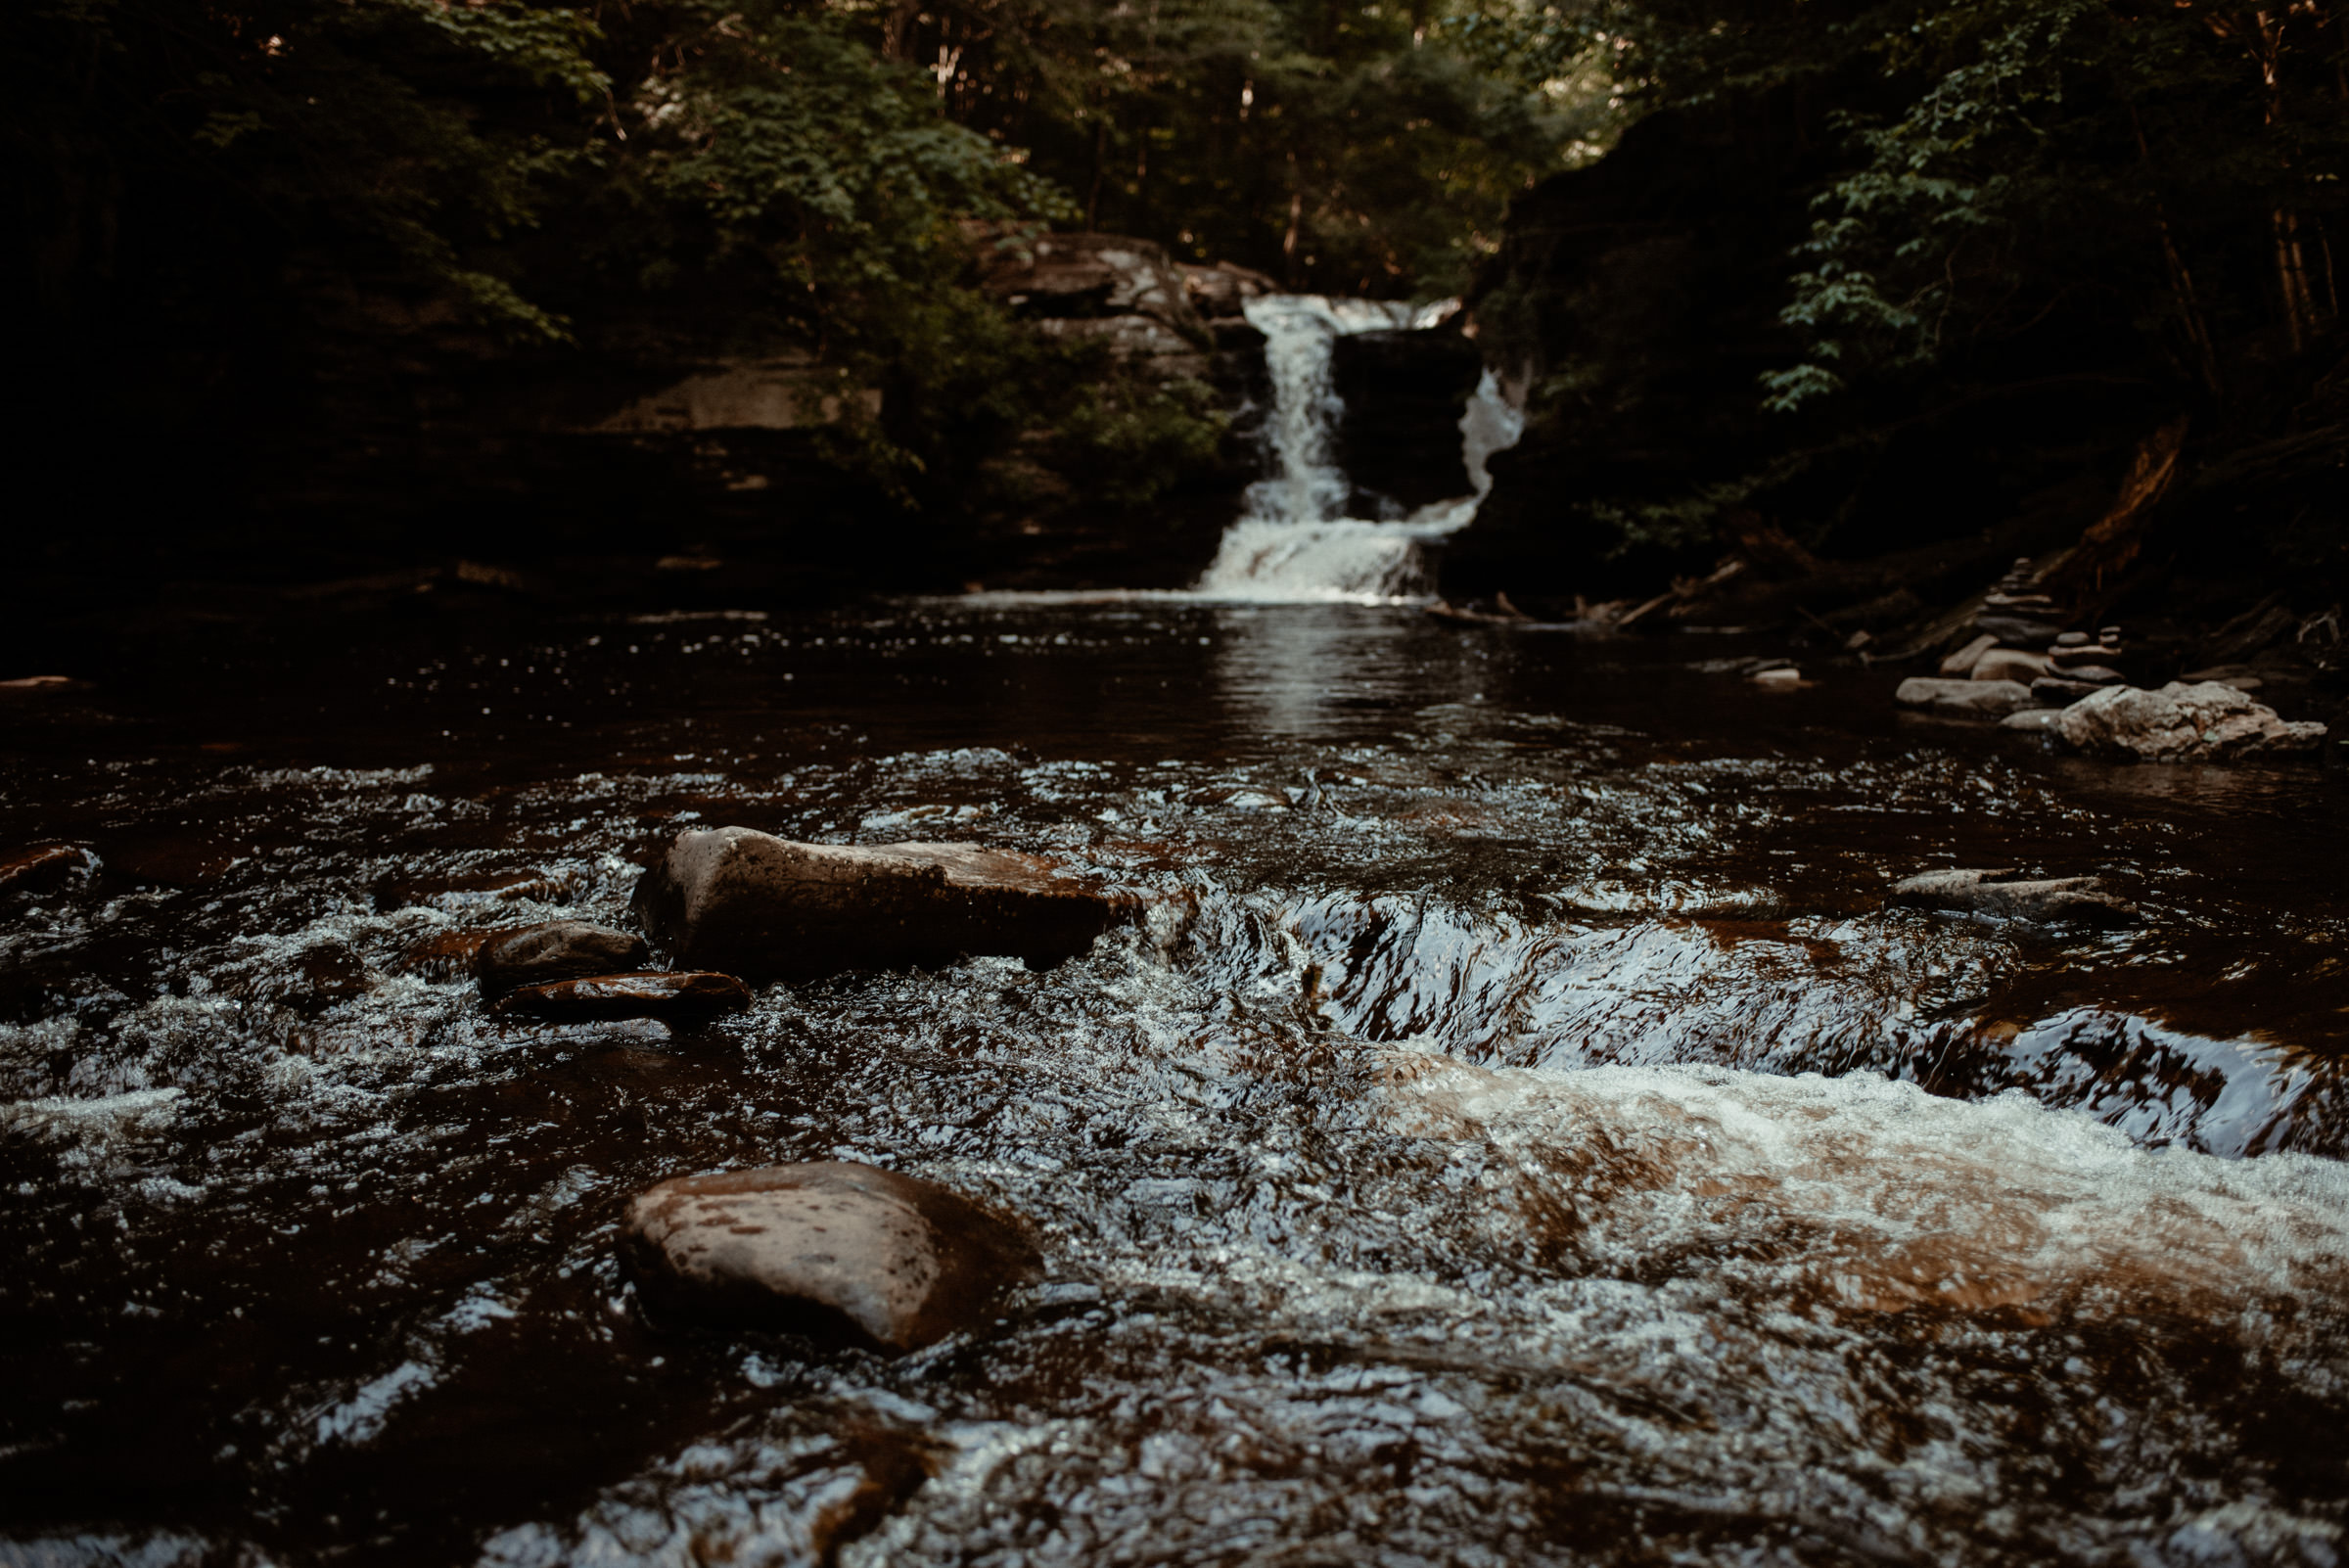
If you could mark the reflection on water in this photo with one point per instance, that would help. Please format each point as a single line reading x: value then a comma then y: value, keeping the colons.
x: 1521, y: 1133
x: 1314, y: 676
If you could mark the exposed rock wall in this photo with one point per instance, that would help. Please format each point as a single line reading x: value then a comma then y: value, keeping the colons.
x: 1173, y: 327
x: 1399, y: 439
x: 1642, y: 294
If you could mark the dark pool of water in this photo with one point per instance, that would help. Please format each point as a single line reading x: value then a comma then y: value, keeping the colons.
x: 1522, y: 1133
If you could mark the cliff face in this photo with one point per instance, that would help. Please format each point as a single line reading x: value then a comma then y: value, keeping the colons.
x: 1640, y: 296
x: 1182, y: 394
x: 1400, y: 439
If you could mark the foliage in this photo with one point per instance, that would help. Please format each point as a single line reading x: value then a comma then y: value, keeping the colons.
x: 1357, y: 148
x: 2055, y: 144
x: 1137, y: 440
x: 395, y: 135
x: 244, y: 185
x: 1996, y: 240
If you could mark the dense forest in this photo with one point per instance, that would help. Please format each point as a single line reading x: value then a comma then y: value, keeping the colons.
x: 1857, y: 276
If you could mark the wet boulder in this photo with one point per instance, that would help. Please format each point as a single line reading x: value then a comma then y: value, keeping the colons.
x: 679, y: 997
x: 1075, y: 276
x: 1402, y: 390
x: 2013, y: 896
x: 552, y: 950
x: 1221, y: 292
x: 46, y: 868
x: 767, y: 907
x: 2205, y: 723
x: 1962, y: 699
x: 839, y: 1252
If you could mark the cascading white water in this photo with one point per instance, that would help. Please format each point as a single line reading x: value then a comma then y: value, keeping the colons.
x: 1294, y: 540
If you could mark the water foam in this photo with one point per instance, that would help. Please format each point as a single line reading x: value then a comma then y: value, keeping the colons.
x: 1294, y: 542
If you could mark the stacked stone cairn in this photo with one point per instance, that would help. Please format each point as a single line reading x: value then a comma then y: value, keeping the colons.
x: 2023, y: 671
x: 2016, y: 614
x: 2079, y: 667
x: 2019, y: 640
x: 2020, y: 659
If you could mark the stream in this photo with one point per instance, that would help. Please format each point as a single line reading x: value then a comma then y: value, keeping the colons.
x: 1521, y: 1133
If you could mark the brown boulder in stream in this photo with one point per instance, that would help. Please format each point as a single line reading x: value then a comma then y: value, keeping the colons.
x: 840, y: 1252
x: 552, y: 950
x: 45, y: 869
x: 767, y: 907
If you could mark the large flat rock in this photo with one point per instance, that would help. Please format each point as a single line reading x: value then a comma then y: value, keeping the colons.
x: 838, y: 1252
x: 764, y: 907
x: 2200, y: 722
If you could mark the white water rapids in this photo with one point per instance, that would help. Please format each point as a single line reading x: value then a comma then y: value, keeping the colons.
x: 1294, y: 542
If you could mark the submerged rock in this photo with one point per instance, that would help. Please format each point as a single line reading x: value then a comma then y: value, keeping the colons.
x: 2004, y: 894
x: 682, y: 998
x: 45, y: 869
x: 840, y: 1252
x: 551, y: 950
x: 1962, y: 699
x: 767, y: 907
x: 2204, y: 722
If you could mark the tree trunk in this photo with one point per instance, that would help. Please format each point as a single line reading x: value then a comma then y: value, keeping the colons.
x: 2291, y: 274
x: 897, y: 33
x: 1092, y: 199
x: 2182, y: 281
x: 1288, y: 241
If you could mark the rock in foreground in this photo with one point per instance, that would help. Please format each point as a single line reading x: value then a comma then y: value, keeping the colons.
x: 45, y: 869
x: 552, y: 950
x: 684, y: 998
x: 2003, y: 894
x: 767, y: 907
x: 1963, y: 699
x: 839, y: 1252
x: 2206, y: 723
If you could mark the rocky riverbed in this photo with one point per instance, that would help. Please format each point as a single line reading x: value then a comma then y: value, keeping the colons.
x: 1525, y: 1119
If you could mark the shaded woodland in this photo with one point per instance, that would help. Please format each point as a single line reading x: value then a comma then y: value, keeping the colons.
x: 1840, y: 278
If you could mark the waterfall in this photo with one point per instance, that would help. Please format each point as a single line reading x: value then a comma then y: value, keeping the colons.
x: 1292, y: 540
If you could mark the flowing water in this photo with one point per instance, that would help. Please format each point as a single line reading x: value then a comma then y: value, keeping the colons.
x: 1520, y: 1133
x: 1293, y: 541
